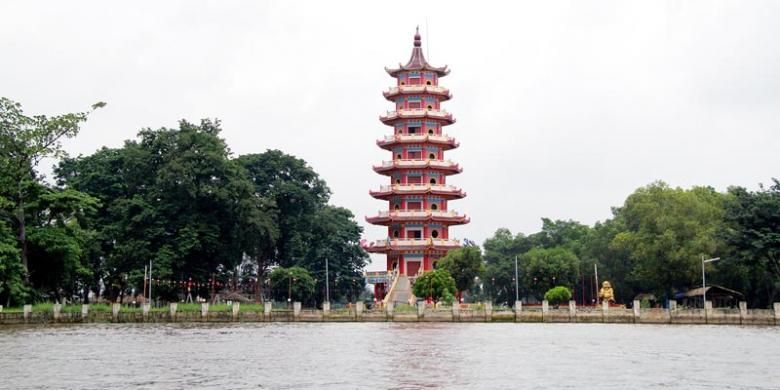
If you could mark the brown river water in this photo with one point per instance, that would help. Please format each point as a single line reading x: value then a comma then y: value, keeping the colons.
x: 389, y: 356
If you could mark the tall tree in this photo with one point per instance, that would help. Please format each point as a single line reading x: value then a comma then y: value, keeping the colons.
x: 667, y: 230
x: 752, y: 231
x: 335, y: 236
x: 298, y: 193
x: 463, y: 264
x: 24, y: 142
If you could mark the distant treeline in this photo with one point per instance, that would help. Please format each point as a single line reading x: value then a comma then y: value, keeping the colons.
x: 653, y: 244
x: 174, y: 196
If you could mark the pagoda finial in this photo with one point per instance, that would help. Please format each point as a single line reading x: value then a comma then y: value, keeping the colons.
x: 417, y: 39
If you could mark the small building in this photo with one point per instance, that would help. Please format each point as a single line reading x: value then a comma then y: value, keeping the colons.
x: 719, y: 296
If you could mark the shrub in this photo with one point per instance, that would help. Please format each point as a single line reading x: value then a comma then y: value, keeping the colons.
x: 557, y: 295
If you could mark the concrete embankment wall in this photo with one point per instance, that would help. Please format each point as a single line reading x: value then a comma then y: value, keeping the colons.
x: 421, y: 313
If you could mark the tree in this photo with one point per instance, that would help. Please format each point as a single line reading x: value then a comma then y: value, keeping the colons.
x: 335, y: 236
x: 24, y: 142
x: 557, y: 295
x: 667, y: 230
x: 174, y: 197
x: 544, y: 268
x: 297, y: 192
x: 436, y: 285
x: 752, y: 231
x: 294, y: 282
x: 12, y: 287
x: 463, y: 264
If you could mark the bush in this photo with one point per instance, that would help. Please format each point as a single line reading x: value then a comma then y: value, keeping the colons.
x: 557, y: 295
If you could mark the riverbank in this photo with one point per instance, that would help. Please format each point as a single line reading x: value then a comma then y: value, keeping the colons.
x: 421, y: 313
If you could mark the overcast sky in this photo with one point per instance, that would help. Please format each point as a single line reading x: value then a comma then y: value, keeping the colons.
x: 563, y: 108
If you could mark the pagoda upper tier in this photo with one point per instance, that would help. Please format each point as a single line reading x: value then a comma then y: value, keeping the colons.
x: 417, y: 61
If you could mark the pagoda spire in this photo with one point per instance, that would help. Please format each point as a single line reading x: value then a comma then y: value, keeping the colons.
x: 417, y: 61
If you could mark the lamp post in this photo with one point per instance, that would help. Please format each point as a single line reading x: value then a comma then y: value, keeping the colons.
x: 704, y: 280
x: 289, y: 288
x: 327, y: 282
x: 517, y: 292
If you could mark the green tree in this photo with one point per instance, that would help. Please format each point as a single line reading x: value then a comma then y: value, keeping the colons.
x: 544, y: 268
x: 24, y: 142
x: 295, y: 282
x: 752, y: 231
x: 557, y: 295
x: 174, y: 197
x: 667, y: 230
x: 335, y: 236
x: 296, y: 190
x: 12, y: 286
x: 463, y: 264
x: 436, y: 285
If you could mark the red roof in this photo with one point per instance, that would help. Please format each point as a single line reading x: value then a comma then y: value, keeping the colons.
x: 417, y: 61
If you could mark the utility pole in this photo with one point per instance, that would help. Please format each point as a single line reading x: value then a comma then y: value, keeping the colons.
x: 146, y: 270
x: 327, y: 282
x: 150, y: 281
x: 517, y: 291
x: 596, y: 271
x: 704, y: 280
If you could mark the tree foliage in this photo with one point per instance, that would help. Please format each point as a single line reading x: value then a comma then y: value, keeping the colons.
x: 463, y: 264
x: 752, y: 233
x: 293, y: 282
x: 436, y: 285
x: 557, y: 295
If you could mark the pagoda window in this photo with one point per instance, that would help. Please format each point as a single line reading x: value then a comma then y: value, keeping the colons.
x: 414, y: 129
x: 414, y: 205
x: 430, y: 107
x: 428, y: 82
x: 434, y: 206
x: 417, y: 155
x: 399, y: 156
x: 397, y: 206
x: 430, y: 131
x: 433, y: 181
x: 415, y: 105
x: 435, y: 234
x: 396, y: 234
x: 414, y: 80
x: 432, y: 156
x: 397, y: 181
x: 414, y: 234
x: 414, y: 179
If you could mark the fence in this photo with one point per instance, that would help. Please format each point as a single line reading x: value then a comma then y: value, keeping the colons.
x: 422, y: 312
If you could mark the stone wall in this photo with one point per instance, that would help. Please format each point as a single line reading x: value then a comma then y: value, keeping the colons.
x: 422, y: 313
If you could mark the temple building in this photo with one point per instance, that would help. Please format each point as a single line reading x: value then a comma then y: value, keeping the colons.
x: 418, y: 215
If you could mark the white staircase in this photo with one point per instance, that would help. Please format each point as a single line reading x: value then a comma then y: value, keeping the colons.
x: 400, y: 291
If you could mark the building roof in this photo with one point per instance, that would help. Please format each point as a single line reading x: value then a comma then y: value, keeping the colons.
x: 417, y: 61
x: 697, y: 292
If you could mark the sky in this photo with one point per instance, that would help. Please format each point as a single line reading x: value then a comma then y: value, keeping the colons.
x: 563, y: 108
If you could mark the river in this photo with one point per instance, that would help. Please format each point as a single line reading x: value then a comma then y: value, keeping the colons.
x: 389, y: 356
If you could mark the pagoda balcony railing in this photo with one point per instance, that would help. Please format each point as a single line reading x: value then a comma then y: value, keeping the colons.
x: 419, y: 214
x: 418, y: 138
x: 421, y: 163
x: 419, y: 187
x: 416, y: 243
x: 434, y: 89
x: 413, y: 113
x: 374, y: 277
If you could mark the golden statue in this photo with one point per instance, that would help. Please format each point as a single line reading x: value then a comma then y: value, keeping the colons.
x: 605, y: 293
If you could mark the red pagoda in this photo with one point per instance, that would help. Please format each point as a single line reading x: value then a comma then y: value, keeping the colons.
x: 418, y: 216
